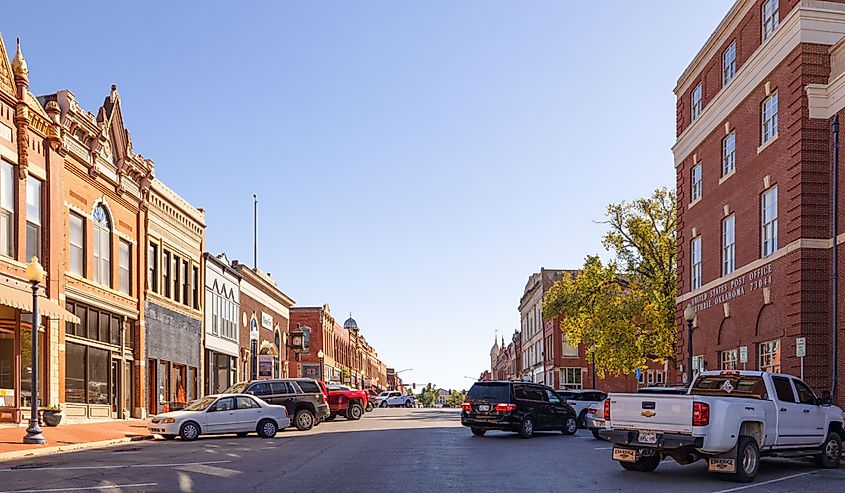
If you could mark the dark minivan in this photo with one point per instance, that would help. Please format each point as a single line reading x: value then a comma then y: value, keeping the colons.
x: 521, y: 407
x: 302, y: 397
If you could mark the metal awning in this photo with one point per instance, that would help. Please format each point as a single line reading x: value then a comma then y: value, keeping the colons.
x: 22, y: 300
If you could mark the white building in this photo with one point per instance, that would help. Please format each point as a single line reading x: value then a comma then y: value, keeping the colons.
x: 220, y: 330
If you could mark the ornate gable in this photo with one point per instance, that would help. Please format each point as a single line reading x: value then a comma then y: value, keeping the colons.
x: 7, y: 80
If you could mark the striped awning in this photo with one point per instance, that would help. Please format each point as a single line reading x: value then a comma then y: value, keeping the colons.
x: 22, y: 300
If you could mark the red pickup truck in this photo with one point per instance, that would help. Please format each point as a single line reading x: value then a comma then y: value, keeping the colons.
x: 346, y: 401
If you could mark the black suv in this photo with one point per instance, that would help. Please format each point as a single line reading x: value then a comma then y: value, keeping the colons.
x: 302, y: 397
x: 521, y: 407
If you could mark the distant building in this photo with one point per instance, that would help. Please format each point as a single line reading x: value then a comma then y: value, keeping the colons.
x: 538, y: 344
x: 222, y: 321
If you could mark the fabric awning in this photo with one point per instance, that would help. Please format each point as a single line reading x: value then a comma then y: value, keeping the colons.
x: 22, y: 300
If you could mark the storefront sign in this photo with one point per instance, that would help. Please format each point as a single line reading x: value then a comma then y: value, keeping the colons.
x: 265, y: 366
x: 735, y: 288
x: 267, y: 321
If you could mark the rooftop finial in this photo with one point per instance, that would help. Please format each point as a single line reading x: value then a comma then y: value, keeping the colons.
x: 19, y: 64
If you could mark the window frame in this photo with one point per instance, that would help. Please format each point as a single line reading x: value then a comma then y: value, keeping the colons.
x: 127, y: 269
x: 696, y: 100
x: 34, y: 218
x: 769, y: 118
x: 769, y: 20
x: 729, y: 154
x: 729, y: 359
x: 80, y: 248
x: 695, y: 181
x: 103, y: 245
x: 8, y: 200
x: 695, y: 263
x: 565, y: 375
x: 769, y: 229
x: 729, y: 64
x: 729, y: 249
x: 772, y: 355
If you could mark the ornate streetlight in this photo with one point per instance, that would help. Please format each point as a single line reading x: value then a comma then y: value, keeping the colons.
x: 34, y: 274
x: 689, y: 316
x: 320, y: 355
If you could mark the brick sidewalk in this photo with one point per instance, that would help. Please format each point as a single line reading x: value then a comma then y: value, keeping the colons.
x: 71, y: 437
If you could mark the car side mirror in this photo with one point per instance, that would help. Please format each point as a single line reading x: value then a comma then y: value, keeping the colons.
x: 824, y: 400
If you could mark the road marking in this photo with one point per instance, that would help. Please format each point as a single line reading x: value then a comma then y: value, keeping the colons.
x: 604, y: 448
x: 119, y: 466
x: 86, y: 488
x: 738, y: 488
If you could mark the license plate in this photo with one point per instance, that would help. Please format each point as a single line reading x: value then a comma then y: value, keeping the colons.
x: 648, y: 437
x: 483, y: 408
x: 721, y: 465
x: 624, y: 454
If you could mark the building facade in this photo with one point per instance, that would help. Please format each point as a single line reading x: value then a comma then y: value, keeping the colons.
x: 538, y: 347
x: 753, y: 161
x: 220, y: 329
x: 264, y: 322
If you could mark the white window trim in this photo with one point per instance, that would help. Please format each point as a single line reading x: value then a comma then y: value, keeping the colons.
x: 729, y: 249
x: 695, y: 267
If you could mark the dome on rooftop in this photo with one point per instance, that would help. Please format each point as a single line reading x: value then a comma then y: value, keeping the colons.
x: 350, y: 323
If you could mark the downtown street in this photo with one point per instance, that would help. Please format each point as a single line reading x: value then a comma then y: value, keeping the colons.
x: 388, y: 450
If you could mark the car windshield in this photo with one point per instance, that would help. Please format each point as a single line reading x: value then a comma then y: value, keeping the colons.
x: 748, y: 386
x: 238, y: 388
x: 200, y: 405
x: 498, y: 392
x: 384, y: 394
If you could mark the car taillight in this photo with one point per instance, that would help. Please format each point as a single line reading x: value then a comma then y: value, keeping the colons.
x: 700, y: 414
x: 466, y: 406
x: 503, y: 407
x: 606, y: 412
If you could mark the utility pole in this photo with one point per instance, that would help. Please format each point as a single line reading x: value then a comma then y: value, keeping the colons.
x: 255, y: 231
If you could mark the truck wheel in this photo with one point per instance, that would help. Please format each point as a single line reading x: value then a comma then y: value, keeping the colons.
x: 570, y: 426
x: 582, y: 419
x: 304, y: 420
x: 478, y: 432
x: 369, y: 407
x: 747, y: 460
x: 354, y: 412
x: 646, y: 463
x: 527, y: 428
x: 330, y: 417
x: 596, y: 434
x: 831, y: 452
x: 383, y: 404
x: 408, y: 403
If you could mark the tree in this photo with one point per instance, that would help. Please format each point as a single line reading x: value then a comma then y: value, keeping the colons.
x: 624, y: 310
x: 455, y: 399
x: 428, y: 396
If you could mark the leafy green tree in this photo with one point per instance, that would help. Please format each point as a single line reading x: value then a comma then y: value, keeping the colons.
x: 428, y: 396
x: 455, y: 399
x: 624, y: 310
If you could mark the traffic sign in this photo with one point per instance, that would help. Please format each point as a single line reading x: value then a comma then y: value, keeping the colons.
x: 801, y: 347
x: 743, y: 354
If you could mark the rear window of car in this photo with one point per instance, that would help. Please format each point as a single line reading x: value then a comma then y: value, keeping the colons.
x: 309, y: 387
x: 748, y: 386
x: 498, y: 392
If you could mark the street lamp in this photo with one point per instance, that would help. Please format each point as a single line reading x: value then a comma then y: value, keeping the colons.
x: 689, y: 316
x: 34, y: 274
x: 320, y: 355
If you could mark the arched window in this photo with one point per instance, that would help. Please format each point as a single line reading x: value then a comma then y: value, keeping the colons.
x: 102, y: 246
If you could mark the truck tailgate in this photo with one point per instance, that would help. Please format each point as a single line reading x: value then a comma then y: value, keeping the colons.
x: 665, y: 413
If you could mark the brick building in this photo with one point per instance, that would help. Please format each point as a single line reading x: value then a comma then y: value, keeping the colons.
x: 534, y: 336
x: 753, y: 161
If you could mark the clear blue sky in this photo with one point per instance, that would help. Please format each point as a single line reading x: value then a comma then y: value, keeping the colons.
x: 415, y: 162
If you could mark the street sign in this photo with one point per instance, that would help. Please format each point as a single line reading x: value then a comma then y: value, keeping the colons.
x: 801, y: 347
x: 743, y: 354
x: 637, y: 373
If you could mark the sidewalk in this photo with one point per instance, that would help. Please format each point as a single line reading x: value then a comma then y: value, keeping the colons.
x: 67, y: 438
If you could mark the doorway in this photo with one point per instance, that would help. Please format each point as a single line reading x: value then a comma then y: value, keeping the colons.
x: 114, y: 389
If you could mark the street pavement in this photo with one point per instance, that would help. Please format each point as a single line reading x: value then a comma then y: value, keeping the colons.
x: 389, y: 450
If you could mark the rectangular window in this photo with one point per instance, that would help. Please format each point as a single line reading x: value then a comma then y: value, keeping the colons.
x: 729, y: 64
x: 729, y: 154
x: 769, y: 356
x: 165, y: 269
x: 77, y: 245
x: 695, y: 176
x: 152, y: 267
x: 195, y: 284
x: 728, y: 244
x: 729, y: 360
x: 33, y: 218
x: 695, y: 246
x: 568, y: 351
x: 769, y: 219
x: 770, y: 18
x: 571, y: 378
x: 698, y: 363
x: 7, y: 209
x: 75, y: 373
x: 185, y: 284
x: 98, y: 376
x: 125, y: 267
x: 770, y: 118
x: 696, y: 101
x: 175, y: 269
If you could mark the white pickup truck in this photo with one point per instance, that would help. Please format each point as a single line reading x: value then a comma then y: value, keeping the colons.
x: 729, y: 418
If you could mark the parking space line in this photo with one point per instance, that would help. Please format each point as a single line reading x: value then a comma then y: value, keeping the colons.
x: 115, y: 466
x: 85, y: 488
x: 785, y: 478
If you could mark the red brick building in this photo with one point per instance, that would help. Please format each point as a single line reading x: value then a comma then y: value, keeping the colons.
x: 753, y: 161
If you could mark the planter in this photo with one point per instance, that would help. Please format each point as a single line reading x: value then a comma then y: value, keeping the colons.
x: 52, y: 418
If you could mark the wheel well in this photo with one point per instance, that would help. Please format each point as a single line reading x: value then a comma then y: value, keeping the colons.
x: 307, y: 407
x: 260, y: 421
x: 191, y: 421
x: 837, y: 428
x: 753, y: 429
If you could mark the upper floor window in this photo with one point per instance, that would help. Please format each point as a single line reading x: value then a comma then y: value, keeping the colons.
x: 7, y: 209
x: 770, y: 18
x: 696, y: 182
x: 165, y: 272
x: 769, y: 220
x: 770, y: 118
x: 152, y: 267
x: 695, y: 270
x: 185, y: 284
x: 33, y: 218
x: 102, y: 246
x: 728, y: 244
x: 729, y: 64
x: 195, y: 283
x: 125, y: 267
x: 77, y: 245
x: 696, y: 101
x: 175, y: 270
x: 729, y: 154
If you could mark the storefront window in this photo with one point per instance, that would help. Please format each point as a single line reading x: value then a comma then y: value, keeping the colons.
x: 98, y: 376
x: 26, y: 365
x: 7, y: 368
x: 74, y: 373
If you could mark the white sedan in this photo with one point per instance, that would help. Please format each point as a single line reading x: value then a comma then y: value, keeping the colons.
x: 218, y: 414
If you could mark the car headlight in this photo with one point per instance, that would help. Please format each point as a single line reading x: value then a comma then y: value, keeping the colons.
x: 168, y: 420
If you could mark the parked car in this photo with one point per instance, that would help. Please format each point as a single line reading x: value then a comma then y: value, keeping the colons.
x: 394, y: 398
x: 580, y: 400
x: 520, y: 407
x: 347, y: 402
x: 754, y: 414
x: 220, y: 414
x: 302, y: 397
x: 594, y: 420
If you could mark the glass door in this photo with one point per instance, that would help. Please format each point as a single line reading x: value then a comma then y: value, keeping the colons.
x: 114, y: 388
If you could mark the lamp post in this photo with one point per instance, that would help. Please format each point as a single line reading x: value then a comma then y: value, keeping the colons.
x: 689, y: 316
x: 320, y: 355
x: 34, y: 274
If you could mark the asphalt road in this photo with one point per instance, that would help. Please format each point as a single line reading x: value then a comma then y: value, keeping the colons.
x: 389, y: 450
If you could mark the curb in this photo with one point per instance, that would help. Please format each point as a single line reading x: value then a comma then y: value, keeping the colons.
x: 73, y: 447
